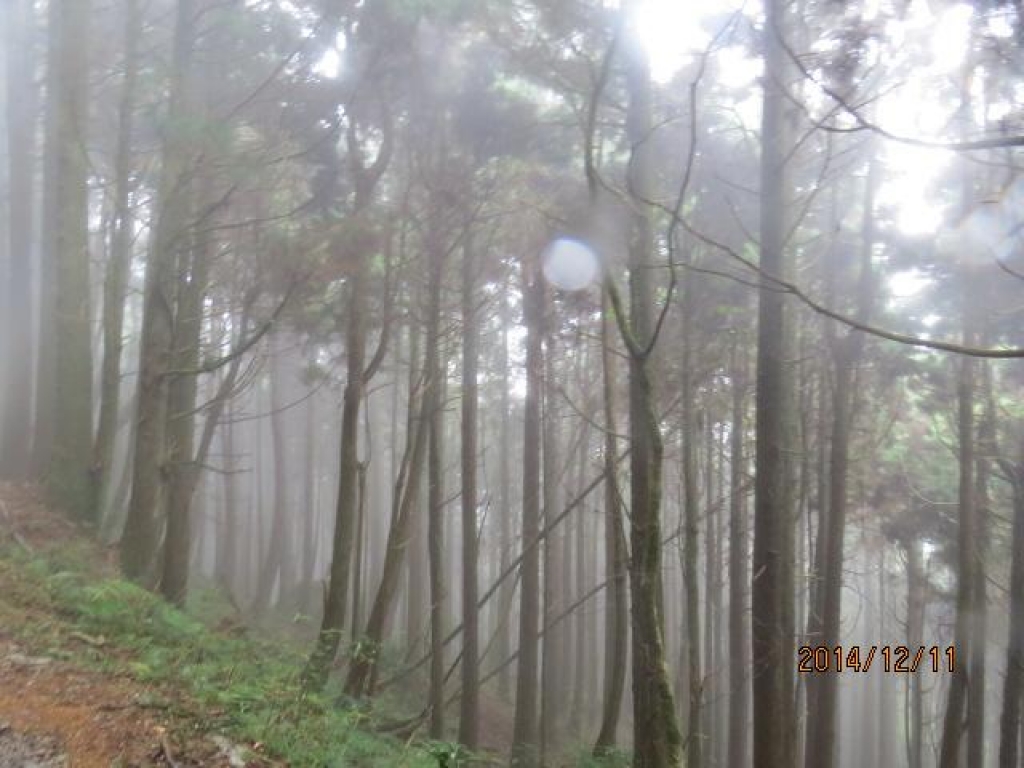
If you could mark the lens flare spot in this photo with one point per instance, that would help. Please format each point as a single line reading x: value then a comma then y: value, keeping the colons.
x: 570, y: 265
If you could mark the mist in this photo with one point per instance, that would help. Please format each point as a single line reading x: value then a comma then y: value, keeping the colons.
x: 540, y: 383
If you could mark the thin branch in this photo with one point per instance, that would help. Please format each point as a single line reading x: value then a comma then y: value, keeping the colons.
x: 513, y: 567
x: 863, y: 123
x: 786, y: 286
x: 212, y: 365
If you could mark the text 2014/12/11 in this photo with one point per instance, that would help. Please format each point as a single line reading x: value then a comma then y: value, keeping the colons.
x: 892, y: 658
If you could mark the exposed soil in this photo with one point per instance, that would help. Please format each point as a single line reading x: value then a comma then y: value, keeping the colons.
x: 54, y: 713
x: 19, y: 750
x: 96, y: 720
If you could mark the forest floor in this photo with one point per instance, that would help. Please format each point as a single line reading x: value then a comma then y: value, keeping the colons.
x: 95, y: 672
x: 58, y: 707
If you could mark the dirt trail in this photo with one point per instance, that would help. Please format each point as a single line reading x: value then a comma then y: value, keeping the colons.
x: 19, y: 750
x: 92, y: 719
x: 54, y: 713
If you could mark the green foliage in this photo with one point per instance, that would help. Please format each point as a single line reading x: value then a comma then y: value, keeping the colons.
x: 611, y: 758
x: 448, y: 754
x: 244, y: 688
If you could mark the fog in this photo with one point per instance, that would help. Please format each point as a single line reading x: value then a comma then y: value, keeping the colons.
x: 569, y: 383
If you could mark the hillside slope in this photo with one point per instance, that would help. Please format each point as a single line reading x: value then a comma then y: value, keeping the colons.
x: 95, y: 672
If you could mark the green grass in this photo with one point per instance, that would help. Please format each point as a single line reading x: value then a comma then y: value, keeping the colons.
x: 228, y: 681
x: 241, y: 687
x: 615, y: 758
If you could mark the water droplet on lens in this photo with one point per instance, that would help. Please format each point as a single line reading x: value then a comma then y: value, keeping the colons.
x: 570, y: 265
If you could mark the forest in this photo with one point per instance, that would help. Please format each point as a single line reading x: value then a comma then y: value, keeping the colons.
x: 587, y: 383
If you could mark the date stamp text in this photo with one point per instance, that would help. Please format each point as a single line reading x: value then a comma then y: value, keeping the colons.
x: 820, y: 659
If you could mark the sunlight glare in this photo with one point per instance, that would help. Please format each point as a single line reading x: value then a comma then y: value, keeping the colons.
x: 999, y: 25
x: 910, y: 174
x: 736, y: 68
x: 908, y: 283
x: 329, y: 65
x: 672, y: 32
x: 951, y: 35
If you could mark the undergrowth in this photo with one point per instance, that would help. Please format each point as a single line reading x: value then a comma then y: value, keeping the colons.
x: 226, y: 682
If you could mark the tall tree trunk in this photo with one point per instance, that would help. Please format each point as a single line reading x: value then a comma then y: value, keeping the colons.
x: 416, y: 582
x: 1013, y: 682
x: 46, y: 353
x: 434, y: 413
x: 524, y: 730
x: 118, y: 266
x: 505, y: 510
x: 228, y: 534
x: 916, y: 587
x: 580, y: 659
x: 470, y: 700
x: 279, y: 553
x: 329, y: 637
x: 182, y: 472
x: 691, y: 640
x: 69, y: 476
x: 408, y: 495
x: 170, y: 238
x: 707, y: 684
x: 16, y: 360
x: 979, y: 617
x: 713, y: 598
x: 739, y: 681
x: 358, y: 246
x: 358, y: 566
x: 616, y: 623
x: 311, y: 497
x: 656, y: 739
x: 959, y: 714
x: 823, y: 717
x: 882, y: 705
x: 772, y: 647
x: 553, y: 672
x: 954, y: 720
x: 818, y: 552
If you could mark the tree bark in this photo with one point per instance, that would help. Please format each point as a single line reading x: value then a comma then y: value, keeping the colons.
x: 417, y: 544
x: 823, y: 717
x: 1013, y: 682
x: 118, y: 267
x: 470, y: 700
x: 139, y: 542
x: 954, y: 720
x: 916, y: 594
x: 46, y: 354
x: 772, y: 647
x: 739, y: 629
x: 228, y: 559
x: 311, y: 496
x: 553, y: 672
x: 616, y: 623
x: 182, y: 473
x: 329, y: 637
x: 691, y: 639
x: 979, y: 618
x: 505, y: 509
x: 524, y: 732
x: 69, y: 474
x: 16, y: 363
x: 656, y: 739
x: 434, y: 413
x: 279, y: 551
x: 364, y: 661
